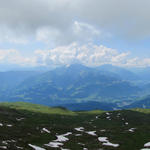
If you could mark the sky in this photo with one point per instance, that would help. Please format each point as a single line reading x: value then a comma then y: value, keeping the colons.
x: 53, y: 33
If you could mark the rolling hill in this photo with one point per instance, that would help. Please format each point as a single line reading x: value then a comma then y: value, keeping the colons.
x: 44, y: 128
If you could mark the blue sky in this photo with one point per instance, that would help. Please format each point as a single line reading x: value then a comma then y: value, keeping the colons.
x: 62, y: 32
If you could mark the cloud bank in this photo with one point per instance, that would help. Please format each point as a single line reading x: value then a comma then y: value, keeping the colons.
x: 69, y: 21
x: 89, y: 55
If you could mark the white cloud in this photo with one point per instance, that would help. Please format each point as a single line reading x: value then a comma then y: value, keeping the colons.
x: 89, y: 55
x: 12, y: 56
x: 137, y: 62
x: 77, y: 32
x: 68, y: 21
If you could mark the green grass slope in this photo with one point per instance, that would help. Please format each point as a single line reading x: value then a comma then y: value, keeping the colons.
x: 22, y: 124
x: 36, y: 108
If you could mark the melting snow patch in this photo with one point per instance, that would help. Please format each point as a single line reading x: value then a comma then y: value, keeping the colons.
x: 147, y: 144
x: 78, y: 134
x: 126, y: 123
x: 45, y: 130
x: 9, y: 125
x: 54, y: 144
x: 132, y: 130
x: 3, y: 147
x: 36, y: 147
x: 145, y: 149
x: 19, y: 147
x: 81, y: 144
x: 103, y: 130
x: 97, y: 117
x: 19, y: 119
x: 107, y: 113
x: 4, y: 142
x: 103, y: 139
x: 1, y: 124
x: 93, y: 133
x: 106, y: 142
x: 62, y: 138
x: 81, y: 129
x: 68, y: 133
x: 110, y: 144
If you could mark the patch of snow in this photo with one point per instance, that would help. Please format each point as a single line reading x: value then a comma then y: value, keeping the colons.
x: 147, y: 144
x: 68, y: 133
x: 19, y: 119
x: 103, y: 130
x: 4, y: 142
x: 3, y: 147
x: 126, y: 123
x: 78, y: 134
x: 107, y: 113
x: 110, y: 144
x: 1, y: 124
x: 81, y: 144
x: 93, y: 133
x: 106, y: 142
x: 36, y: 147
x: 45, y: 130
x: 97, y: 117
x: 62, y: 138
x: 132, y: 130
x: 103, y: 139
x: 19, y: 147
x: 12, y: 141
x: 80, y: 129
x: 9, y: 125
x: 54, y: 144
x: 145, y: 149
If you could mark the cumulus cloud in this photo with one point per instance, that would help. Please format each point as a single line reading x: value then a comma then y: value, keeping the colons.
x: 90, y: 55
x: 12, y: 56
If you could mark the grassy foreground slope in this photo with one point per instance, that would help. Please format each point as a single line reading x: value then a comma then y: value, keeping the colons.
x: 28, y: 127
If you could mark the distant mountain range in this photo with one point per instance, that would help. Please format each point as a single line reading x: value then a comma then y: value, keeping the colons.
x: 143, y: 103
x: 75, y: 87
x: 75, y: 83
